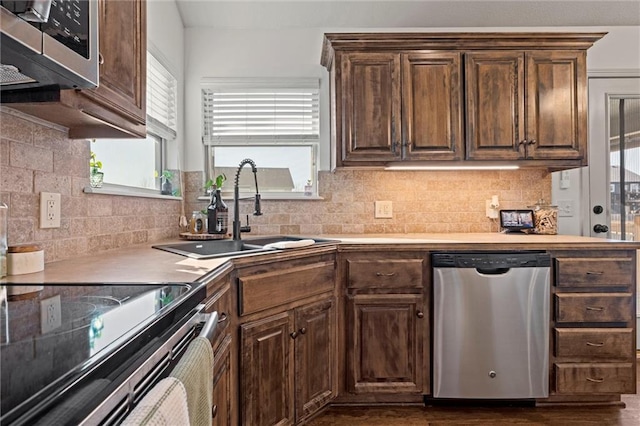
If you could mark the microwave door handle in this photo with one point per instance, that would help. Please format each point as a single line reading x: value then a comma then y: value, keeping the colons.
x: 37, y: 11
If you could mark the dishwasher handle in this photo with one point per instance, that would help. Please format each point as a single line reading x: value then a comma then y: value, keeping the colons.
x: 492, y: 271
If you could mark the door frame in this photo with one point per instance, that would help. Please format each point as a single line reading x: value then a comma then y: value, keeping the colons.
x: 599, y: 194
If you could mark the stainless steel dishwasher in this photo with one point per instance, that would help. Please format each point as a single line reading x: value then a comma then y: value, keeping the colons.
x: 491, y: 325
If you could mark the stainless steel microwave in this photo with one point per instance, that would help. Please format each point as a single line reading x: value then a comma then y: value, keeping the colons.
x: 48, y: 43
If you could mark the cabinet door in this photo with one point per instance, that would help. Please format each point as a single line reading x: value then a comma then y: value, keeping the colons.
x: 120, y: 98
x: 222, y: 398
x: 432, y: 106
x: 315, y: 352
x: 556, y: 105
x: 388, y: 343
x: 266, y: 375
x: 495, y: 105
x: 370, y: 107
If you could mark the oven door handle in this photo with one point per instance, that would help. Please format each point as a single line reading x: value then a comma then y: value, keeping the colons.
x: 210, y: 328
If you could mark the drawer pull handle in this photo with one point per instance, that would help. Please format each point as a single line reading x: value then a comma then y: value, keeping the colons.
x: 595, y: 344
x: 589, y: 379
x: 382, y: 274
x: 594, y: 273
x: 223, y: 317
x: 595, y: 308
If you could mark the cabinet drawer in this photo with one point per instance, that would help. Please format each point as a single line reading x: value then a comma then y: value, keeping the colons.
x: 598, y: 343
x: 594, y: 307
x: 386, y: 273
x: 594, y: 272
x: 262, y: 291
x: 220, y: 302
x: 595, y: 378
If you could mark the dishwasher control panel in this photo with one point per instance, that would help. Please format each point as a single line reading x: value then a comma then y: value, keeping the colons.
x: 491, y: 260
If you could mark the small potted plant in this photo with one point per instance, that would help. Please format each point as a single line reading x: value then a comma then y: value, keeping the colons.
x: 96, y: 176
x: 167, y: 186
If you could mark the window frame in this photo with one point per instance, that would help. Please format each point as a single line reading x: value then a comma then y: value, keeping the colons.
x: 240, y: 85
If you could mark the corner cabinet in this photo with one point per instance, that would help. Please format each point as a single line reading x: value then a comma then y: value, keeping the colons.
x: 117, y: 107
x: 430, y: 97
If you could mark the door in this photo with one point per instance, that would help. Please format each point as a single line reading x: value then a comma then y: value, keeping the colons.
x: 432, y: 106
x: 386, y: 348
x: 266, y: 371
x: 495, y: 105
x: 315, y: 352
x: 614, y: 152
x: 371, y: 107
x: 556, y: 105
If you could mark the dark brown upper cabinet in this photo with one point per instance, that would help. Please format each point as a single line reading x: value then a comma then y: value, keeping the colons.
x: 117, y: 107
x: 486, y: 97
x: 527, y: 106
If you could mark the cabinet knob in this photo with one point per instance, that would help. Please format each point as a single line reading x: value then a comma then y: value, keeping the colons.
x: 599, y: 228
x: 214, y: 411
x: 223, y: 317
x: 532, y: 142
x: 294, y: 334
x: 420, y: 314
x: 303, y: 330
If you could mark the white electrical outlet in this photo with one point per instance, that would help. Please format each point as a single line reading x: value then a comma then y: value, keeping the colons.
x: 384, y: 210
x: 490, y: 210
x: 49, y: 210
x: 50, y: 314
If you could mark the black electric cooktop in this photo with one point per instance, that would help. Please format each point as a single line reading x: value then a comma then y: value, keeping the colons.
x: 52, y: 336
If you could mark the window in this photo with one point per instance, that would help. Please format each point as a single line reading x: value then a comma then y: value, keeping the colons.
x: 144, y: 159
x: 273, y: 122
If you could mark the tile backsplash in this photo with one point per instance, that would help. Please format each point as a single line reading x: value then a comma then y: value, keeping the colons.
x: 37, y: 157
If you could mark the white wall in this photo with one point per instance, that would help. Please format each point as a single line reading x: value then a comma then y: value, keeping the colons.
x: 166, y: 40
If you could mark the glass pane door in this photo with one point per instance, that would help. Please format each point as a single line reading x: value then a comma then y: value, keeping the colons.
x: 624, y: 175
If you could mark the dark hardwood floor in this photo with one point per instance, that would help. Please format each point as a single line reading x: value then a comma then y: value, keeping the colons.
x: 504, y: 415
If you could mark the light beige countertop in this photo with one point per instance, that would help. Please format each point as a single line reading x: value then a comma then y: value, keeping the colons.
x: 143, y: 264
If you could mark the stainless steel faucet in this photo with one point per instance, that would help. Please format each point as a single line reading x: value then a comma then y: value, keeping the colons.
x: 236, y: 197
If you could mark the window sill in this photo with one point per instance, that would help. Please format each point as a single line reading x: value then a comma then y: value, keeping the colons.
x: 267, y: 196
x: 128, y: 191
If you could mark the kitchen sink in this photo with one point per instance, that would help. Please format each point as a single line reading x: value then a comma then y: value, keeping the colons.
x: 212, y: 249
x: 226, y: 248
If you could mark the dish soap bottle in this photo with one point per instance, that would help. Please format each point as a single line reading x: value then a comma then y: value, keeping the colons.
x: 217, y: 214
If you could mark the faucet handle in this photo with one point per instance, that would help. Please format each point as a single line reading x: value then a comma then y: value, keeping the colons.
x: 246, y: 228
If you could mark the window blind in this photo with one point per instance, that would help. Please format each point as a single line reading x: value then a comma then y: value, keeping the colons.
x: 260, y: 113
x: 161, y: 98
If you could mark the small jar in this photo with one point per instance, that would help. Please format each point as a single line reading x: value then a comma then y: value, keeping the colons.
x: 196, y: 225
x: 545, y: 218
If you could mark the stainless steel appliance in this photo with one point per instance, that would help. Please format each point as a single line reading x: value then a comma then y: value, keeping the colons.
x: 48, y: 43
x: 491, y: 325
x: 93, y: 363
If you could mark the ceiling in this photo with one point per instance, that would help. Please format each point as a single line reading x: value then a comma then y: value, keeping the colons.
x: 266, y: 14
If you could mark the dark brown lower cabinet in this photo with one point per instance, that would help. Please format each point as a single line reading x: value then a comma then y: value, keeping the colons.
x: 293, y: 350
x: 386, y: 351
x: 222, y: 397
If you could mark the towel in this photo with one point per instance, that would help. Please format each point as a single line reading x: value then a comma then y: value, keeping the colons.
x: 164, y: 405
x: 195, y: 371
